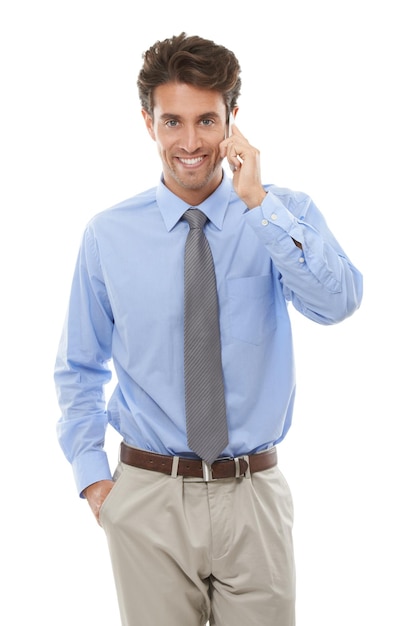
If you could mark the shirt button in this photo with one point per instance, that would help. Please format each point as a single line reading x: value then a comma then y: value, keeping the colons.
x: 301, y: 260
x: 265, y: 222
x: 273, y: 217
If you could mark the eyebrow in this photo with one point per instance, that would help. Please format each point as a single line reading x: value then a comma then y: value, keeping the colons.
x: 203, y: 116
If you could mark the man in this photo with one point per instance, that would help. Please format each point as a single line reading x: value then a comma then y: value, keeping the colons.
x: 192, y: 539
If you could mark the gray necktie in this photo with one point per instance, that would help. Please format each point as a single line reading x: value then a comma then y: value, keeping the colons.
x: 207, y: 433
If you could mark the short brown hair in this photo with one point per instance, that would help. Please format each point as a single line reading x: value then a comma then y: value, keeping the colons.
x: 191, y: 60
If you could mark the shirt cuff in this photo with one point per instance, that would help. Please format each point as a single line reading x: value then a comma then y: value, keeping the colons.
x: 89, y: 468
x: 272, y: 219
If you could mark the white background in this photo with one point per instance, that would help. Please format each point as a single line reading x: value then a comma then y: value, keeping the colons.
x: 326, y: 99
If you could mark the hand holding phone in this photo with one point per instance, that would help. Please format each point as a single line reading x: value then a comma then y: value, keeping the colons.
x: 229, y: 133
x: 244, y: 162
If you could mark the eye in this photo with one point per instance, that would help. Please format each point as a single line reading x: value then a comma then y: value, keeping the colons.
x: 171, y: 123
x: 206, y: 122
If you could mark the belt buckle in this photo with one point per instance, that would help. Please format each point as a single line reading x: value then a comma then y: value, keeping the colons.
x: 207, y: 472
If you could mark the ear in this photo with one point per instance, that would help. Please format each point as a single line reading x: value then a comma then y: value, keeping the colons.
x: 235, y: 112
x: 148, y: 120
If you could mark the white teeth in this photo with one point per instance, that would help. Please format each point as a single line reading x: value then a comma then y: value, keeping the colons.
x: 191, y: 161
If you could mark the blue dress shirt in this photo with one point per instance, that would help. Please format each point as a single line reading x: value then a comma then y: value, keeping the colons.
x: 126, y: 310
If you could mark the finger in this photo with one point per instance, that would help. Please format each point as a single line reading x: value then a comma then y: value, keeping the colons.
x: 235, y: 131
x: 234, y: 156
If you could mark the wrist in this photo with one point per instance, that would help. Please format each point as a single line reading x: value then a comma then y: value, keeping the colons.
x: 255, y: 200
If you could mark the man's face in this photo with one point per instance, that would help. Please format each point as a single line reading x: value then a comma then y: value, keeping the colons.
x: 188, y: 124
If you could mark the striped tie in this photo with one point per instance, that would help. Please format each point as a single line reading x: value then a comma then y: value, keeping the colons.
x: 207, y: 433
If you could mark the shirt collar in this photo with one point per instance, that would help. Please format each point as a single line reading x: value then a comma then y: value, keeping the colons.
x: 172, y: 207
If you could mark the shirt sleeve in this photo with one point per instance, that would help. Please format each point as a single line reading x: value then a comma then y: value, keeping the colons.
x: 82, y: 369
x: 318, y: 278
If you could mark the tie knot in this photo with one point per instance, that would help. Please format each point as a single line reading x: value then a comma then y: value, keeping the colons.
x: 195, y: 218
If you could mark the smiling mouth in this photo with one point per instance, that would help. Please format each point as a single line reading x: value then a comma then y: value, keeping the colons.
x: 191, y: 161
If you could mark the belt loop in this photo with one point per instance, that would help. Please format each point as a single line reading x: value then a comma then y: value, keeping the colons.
x: 175, y: 466
x: 246, y: 458
x: 237, y: 467
x: 207, y: 472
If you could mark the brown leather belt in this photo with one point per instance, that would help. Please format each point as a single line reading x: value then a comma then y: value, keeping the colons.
x: 180, y: 466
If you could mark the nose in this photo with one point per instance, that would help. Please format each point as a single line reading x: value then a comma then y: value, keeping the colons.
x: 190, y: 139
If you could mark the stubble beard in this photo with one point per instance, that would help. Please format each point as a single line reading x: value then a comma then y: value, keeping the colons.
x: 192, y: 181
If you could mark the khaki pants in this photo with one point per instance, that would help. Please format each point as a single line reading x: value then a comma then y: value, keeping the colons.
x: 185, y: 551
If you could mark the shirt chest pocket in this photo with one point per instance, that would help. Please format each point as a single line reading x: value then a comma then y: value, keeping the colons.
x: 251, y: 308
